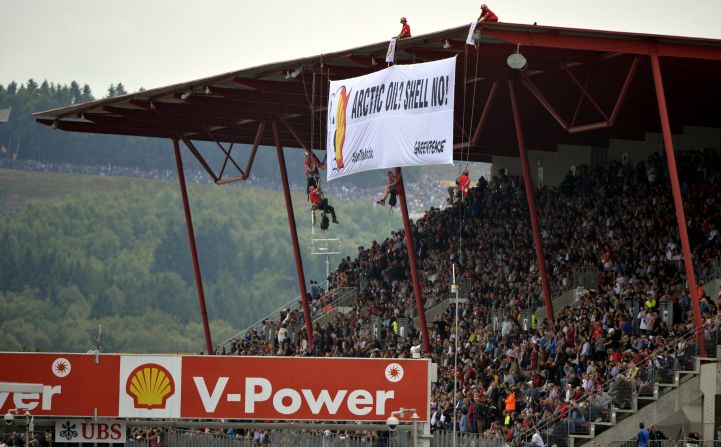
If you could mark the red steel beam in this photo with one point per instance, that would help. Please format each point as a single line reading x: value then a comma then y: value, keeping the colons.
x: 481, y: 121
x: 199, y: 157
x: 644, y: 45
x: 538, y: 242
x: 584, y: 92
x: 543, y: 100
x: 417, y: 290
x: 292, y: 131
x: 678, y: 202
x: 484, y: 115
x: 294, y: 86
x: 251, y: 158
x: 624, y: 90
x: 193, y: 249
x: 580, y: 101
x: 294, y: 237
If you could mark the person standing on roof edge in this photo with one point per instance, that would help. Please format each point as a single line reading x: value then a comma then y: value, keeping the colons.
x: 487, y: 15
x: 405, y: 30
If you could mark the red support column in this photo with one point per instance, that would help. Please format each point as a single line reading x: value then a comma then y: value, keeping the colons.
x: 538, y: 243
x: 294, y: 238
x: 678, y: 201
x: 193, y: 249
x: 417, y: 290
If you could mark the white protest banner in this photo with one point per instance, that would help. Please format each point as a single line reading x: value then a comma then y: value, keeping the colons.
x: 470, y: 40
x: 391, y: 52
x: 400, y: 116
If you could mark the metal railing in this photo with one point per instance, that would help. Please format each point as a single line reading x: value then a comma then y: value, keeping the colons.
x: 294, y: 304
x: 444, y: 438
x: 623, y: 389
x: 295, y: 438
x: 651, y: 443
x: 586, y: 277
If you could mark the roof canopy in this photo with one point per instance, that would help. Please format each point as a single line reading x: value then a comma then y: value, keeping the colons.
x: 579, y: 87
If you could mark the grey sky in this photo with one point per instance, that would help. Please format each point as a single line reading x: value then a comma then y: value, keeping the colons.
x: 151, y: 43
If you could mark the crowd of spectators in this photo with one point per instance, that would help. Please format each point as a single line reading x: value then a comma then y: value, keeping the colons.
x: 618, y: 220
x: 507, y: 379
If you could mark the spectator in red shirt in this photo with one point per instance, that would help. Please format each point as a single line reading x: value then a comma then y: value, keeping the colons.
x: 487, y: 15
x: 405, y: 30
x: 321, y: 203
x: 311, y: 171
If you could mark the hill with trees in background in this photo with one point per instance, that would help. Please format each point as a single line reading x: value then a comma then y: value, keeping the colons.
x: 77, y: 251
x: 87, y: 250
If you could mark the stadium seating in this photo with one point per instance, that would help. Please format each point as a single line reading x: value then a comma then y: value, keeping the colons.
x: 623, y: 342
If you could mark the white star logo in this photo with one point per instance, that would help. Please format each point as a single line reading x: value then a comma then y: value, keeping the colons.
x: 394, y: 372
x: 61, y: 367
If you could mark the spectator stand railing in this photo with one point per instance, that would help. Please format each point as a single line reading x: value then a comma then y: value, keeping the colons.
x: 259, y: 326
x: 586, y: 277
x: 693, y: 442
x: 634, y: 443
x: 624, y: 389
x: 444, y: 438
x: 280, y: 437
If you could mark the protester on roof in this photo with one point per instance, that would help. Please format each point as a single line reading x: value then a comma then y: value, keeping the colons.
x: 405, y: 29
x: 487, y: 15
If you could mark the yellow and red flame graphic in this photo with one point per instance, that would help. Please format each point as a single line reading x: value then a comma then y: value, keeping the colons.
x: 150, y: 385
x: 340, y: 121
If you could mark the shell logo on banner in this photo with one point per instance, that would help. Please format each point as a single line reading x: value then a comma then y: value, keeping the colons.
x: 149, y: 386
x: 340, y: 130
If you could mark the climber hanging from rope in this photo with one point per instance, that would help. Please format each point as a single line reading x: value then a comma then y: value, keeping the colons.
x: 321, y: 203
x: 464, y: 184
x: 390, y: 189
x: 312, y: 175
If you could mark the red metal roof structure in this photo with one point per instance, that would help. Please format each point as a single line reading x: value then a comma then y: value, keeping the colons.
x: 579, y: 87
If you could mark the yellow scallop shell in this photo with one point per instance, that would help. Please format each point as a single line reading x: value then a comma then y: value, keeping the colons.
x: 150, y: 385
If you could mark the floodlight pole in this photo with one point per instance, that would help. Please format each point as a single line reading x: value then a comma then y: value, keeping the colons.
x: 294, y: 237
x: 193, y: 248
x: 538, y: 243
x: 417, y: 291
x: 678, y: 202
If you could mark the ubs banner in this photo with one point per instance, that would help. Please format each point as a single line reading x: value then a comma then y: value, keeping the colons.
x: 400, y: 116
x: 269, y: 388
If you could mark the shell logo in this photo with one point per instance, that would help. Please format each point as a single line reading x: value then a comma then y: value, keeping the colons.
x: 150, y: 385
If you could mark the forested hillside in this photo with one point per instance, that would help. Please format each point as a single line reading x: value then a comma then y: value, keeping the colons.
x: 85, y: 251
x: 77, y: 251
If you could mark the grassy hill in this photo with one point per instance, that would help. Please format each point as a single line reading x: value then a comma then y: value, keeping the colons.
x: 79, y: 251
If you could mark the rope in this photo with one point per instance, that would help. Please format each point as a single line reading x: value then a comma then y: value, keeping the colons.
x: 465, y: 156
x: 473, y: 108
x: 312, y: 115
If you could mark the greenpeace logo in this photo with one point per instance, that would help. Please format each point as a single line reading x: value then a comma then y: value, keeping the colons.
x: 429, y: 147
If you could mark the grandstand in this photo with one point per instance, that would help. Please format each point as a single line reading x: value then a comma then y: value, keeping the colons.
x: 607, y: 330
